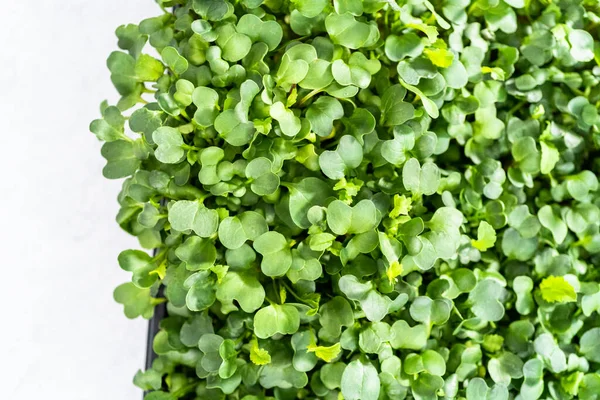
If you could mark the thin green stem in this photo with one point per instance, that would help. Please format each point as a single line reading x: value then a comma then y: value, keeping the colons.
x: 188, y: 147
x: 160, y: 255
x: 184, y: 390
x: 185, y: 115
x: 518, y: 106
x: 276, y: 290
x: 394, y: 6
x: 289, y: 289
x: 308, y: 96
x: 126, y: 138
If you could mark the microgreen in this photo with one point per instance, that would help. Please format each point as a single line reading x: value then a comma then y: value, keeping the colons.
x: 366, y: 200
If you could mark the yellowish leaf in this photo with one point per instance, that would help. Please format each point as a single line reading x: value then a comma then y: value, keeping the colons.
x: 440, y: 57
x: 557, y: 289
x: 282, y: 294
x: 258, y: 356
x: 161, y: 271
x: 402, y: 205
x: 327, y: 354
x: 486, y: 237
x: 394, y: 271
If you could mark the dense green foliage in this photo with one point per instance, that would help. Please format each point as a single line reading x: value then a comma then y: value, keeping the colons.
x: 362, y: 199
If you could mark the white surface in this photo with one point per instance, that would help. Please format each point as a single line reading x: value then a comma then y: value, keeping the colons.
x: 63, y: 336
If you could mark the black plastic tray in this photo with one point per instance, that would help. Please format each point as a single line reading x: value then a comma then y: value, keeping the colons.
x: 160, y: 312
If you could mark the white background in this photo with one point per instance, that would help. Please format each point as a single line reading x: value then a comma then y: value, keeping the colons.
x: 62, y: 335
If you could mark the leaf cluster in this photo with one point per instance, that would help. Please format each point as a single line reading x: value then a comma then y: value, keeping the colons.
x: 362, y: 199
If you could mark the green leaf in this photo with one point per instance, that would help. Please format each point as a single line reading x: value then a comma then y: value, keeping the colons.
x: 273, y: 319
x: 144, y: 121
x: 478, y: 389
x: 345, y: 30
x: 525, y: 152
x: 193, y: 329
x: 243, y: 287
x: 295, y: 64
x: 430, y: 312
x: 550, y: 156
x: 307, y: 193
x: 343, y: 219
x: 394, y: 111
x: 487, y: 300
x: 231, y: 128
x: 334, y: 315
x: 131, y: 39
x: 523, y: 286
x: 197, y: 253
x: 430, y: 361
x: 506, y: 367
x: 590, y: 384
x: 581, y: 184
x: 526, y: 224
x: 228, y: 355
x: 322, y: 113
x: 360, y: 381
x: 136, y: 301
x: 514, y: 245
x: 277, y: 258
x: 187, y: 215
x: 213, y: 10
x: 375, y: 305
x: 445, y: 231
x: 201, y: 293
x: 406, y: 45
x: 407, y: 337
x: 311, y: 8
x: 234, y: 231
x: 268, y: 32
x: 289, y: 123
x: 427, y: 385
x: 110, y: 127
x: 354, y: 7
x: 501, y: 17
x: 420, y: 180
x: 282, y: 377
x: 552, y: 222
x: 169, y: 143
x: 348, y: 155
x: 264, y: 181
x: 319, y: 75
x: 582, y: 45
x: 148, y: 68
x: 429, y: 105
x: 121, y: 159
x: 122, y: 68
x: 207, y: 102
x: 234, y: 45
x: 303, y: 360
x: 455, y: 74
x: 589, y: 345
x: 159, y: 395
x: 184, y: 92
x: 174, y: 60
